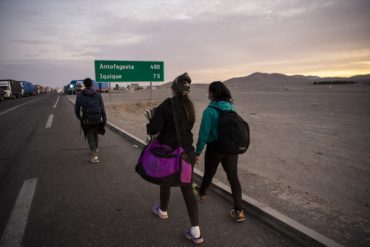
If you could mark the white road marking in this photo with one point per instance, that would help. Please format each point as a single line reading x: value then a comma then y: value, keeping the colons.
x: 14, y: 230
x: 15, y: 107
x: 56, y: 102
x: 50, y: 121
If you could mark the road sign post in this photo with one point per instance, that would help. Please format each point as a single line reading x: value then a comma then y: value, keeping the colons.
x: 151, y: 85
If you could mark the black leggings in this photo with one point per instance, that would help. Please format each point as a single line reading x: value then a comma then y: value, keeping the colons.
x: 189, y: 198
x: 230, y: 165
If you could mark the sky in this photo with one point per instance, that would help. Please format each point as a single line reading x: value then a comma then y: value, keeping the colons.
x: 51, y: 42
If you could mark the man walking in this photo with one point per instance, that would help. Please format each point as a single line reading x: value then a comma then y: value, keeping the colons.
x: 93, y: 117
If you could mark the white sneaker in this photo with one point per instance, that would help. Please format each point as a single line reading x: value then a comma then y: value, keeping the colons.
x: 157, y: 211
x: 95, y: 159
x: 190, y: 236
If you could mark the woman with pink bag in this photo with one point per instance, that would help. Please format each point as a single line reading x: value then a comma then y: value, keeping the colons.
x: 173, y: 119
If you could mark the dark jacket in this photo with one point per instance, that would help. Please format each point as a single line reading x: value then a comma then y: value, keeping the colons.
x: 163, y: 123
x: 90, y: 98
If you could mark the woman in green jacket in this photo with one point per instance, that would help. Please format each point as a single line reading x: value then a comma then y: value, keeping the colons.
x: 220, y: 98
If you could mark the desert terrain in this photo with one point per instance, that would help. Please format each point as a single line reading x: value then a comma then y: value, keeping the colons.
x: 309, y: 152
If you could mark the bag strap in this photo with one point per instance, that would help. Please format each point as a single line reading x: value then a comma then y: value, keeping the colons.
x: 174, y: 113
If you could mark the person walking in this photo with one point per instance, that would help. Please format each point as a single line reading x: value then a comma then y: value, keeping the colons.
x: 163, y: 122
x: 93, y: 118
x: 221, y: 99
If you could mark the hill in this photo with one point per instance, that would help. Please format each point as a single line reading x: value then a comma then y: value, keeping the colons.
x: 276, y: 80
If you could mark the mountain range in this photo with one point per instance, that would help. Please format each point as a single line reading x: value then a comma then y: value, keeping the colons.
x: 276, y: 79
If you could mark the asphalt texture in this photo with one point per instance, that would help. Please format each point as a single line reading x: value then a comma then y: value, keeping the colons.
x: 77, y: 203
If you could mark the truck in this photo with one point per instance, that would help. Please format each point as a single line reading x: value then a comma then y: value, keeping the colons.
x: 12, y: 88
x: 102, y: 87
x: 79, y: 86
x: 39, y: 89
x: 76, y: 86
x: 27, y: 88
x: 2, y: 94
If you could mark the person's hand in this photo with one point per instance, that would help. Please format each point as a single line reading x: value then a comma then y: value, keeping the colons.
x: 197, y: 159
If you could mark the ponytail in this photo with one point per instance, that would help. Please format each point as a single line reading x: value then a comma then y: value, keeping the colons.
x: 188, y: 107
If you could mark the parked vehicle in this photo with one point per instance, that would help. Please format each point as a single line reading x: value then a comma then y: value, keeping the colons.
x: 2, y: 94
x: 79, y: 86
x: 39, y: 89
x: 73, y: 86
x: 27, y: 88
x: 102, y: 87
x: 12, y: 88
x: 76, y: 86
x: 42, y: 89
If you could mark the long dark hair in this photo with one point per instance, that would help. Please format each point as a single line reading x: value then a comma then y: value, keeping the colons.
x: 220, y: 92
x: 188, y: 106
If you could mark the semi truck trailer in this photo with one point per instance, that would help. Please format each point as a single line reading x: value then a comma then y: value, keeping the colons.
x: 12, y: 88
x: 27, y: 88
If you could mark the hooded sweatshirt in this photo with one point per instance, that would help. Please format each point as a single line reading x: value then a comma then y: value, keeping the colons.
x: 89, y: 98
x: 164, y: 124
x: 208, y: 126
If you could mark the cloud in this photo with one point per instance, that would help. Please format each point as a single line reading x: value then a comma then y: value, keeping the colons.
x: 209, y: 39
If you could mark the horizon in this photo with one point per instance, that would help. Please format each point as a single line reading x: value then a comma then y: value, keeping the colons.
x: 197, y: 82
x: 52, y: 43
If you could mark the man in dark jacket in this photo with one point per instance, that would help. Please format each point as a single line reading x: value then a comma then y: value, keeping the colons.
x: 93, y: 117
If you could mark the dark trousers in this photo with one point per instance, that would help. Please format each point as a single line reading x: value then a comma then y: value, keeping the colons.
x: 93, y: 140
x: 230, y: 165
x: 189, y: 198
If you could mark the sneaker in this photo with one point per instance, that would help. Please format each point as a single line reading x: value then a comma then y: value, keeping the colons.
x: 198, y: 196
x: 95, y: 159
x: 237, y: 215
x: 157, y: 211
x: 190, y: 236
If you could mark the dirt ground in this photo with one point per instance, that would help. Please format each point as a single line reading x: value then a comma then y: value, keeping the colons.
x: 309, y: 153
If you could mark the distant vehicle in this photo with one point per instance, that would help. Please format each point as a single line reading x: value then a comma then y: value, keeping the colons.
x: 102, y: 87
x: 79, y: 86
x: 39, y: 89
x: 2, y: 94
x: 73, y: 85
x: 76, y: 86
x: 12, y: 88
x: 27, y: 88
x: 42, y: 89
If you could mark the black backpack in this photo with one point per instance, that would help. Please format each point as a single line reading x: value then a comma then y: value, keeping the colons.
x: 233, y: 133
x: 91, y: 116
x: 91, y: 111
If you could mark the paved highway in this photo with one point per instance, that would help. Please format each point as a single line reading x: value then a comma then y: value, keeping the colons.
x: 76, y: 203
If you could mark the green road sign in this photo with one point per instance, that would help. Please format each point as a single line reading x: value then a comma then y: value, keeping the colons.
x: 128, y: 71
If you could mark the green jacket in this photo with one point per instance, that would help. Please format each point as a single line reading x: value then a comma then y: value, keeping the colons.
x: 208, y: 126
